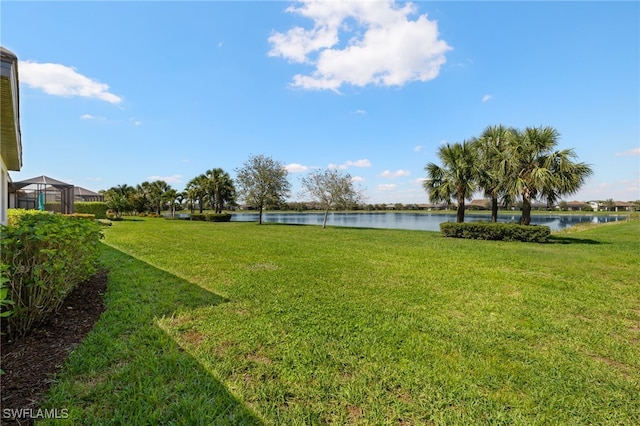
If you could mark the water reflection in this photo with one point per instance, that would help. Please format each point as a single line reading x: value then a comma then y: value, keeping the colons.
x: 416, y: 221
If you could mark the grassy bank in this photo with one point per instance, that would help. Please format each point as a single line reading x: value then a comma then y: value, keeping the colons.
x: 235, y: 323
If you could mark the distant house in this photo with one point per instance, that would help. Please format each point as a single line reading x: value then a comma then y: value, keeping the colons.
x: 479, y: 205
x: 10, y: 138
x: 576, y: 205
x: 613, y: 206
x: 429, y: 206
x: 83, y: 194
x: 622, y: 206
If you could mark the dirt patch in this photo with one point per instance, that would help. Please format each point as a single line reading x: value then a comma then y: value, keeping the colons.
x: 30, y: 362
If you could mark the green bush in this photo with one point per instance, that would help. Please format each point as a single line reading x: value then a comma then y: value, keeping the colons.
x: 96, y: 208
x: 212, y: 217
x: 48, y: 255
x: 81, y: 216
x: 496, y: 231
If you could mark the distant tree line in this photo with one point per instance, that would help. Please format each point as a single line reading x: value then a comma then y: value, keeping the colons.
x: 261, y: 183
x: 512, y: 167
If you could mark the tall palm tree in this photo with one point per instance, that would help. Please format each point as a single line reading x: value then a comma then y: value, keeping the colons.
x: 455, y: 178
x: 220, y: 188
x: 494, y: 163
x: 536, y: 170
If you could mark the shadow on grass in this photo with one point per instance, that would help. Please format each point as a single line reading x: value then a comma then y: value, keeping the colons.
x: 557, y: 239
x: 129, y: 371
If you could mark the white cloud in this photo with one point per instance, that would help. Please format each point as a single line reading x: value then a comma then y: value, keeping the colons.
x: 486, y: 98
x: 61, y: 80
x: 630, y: 153
x: 392, y: 175
x: 418, y: 181
x: 418, y: 148
x: 357, y: 179
x: 361, y: 43
x: 91, y: 117
x: 358, y: 163
x: 168, y: 179
x: 386, y: 187
x: 296, y: 168
x: 360, y: 112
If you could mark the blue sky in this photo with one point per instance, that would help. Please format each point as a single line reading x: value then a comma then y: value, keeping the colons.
x: 126, y: 92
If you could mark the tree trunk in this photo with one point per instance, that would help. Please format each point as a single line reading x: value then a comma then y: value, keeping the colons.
x: 494, y: 209
x: 260, y: 216
x: 460, y: 212
x: 324, y: 221
x: 526, y: 208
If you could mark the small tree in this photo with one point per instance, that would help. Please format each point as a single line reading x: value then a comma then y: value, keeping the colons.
x: 330, y: 188
x: 263, y: 182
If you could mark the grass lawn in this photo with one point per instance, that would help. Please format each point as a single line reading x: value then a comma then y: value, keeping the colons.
x: 235, y: 323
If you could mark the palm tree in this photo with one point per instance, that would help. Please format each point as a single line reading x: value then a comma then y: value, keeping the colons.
x: 170, y: 196
x: 456, y: 177
x: 220, y: 188
x: 536, y: 170
x: 141, y: 197
x: 196, y: 190
x: 157, y: 192
x: 119, y: 199
x: 494, y: 161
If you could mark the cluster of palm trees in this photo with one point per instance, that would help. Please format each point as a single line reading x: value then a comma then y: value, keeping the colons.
x: 506, y: 163
x: 214, y: 189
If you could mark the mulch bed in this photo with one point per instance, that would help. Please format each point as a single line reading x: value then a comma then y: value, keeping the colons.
x: 30, y: 362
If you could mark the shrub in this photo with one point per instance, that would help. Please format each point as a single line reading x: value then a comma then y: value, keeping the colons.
x: 96, y: 208
x: 5, y: 301
x: 496, y: 231
x: 48, y: 255
x: 81, y: 216
x: 212, y: 217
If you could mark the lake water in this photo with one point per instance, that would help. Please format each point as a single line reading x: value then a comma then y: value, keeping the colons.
x: 417, y: 221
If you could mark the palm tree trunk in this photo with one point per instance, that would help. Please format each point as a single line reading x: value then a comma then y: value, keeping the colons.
x: 526, y: 208
x: 494, y: 209
x: 460, y: 212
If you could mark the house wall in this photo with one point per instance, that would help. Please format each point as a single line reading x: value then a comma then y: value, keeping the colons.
x: 4, y: 192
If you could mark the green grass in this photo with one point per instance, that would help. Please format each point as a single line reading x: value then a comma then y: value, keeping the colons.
x: 235, y: 323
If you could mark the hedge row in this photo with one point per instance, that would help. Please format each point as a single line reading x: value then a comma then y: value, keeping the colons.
x: 46, y: 256
x: 96, y: 208
x: 496, y: 231
x: 212, y: 217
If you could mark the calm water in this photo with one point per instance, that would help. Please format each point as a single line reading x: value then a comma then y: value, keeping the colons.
x: 416, y: 221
